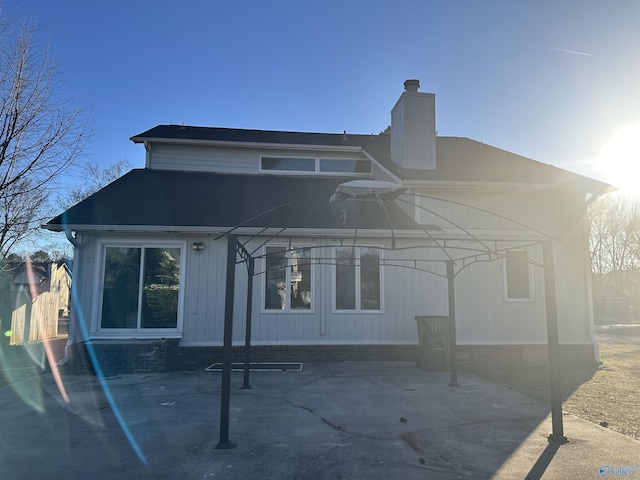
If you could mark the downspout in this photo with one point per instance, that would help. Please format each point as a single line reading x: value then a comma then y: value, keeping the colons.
x: 70, y: 234
x: 589, y: 323
x: 147, y: 158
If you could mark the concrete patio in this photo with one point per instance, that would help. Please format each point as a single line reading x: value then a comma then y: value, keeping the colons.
x: 352, y: 420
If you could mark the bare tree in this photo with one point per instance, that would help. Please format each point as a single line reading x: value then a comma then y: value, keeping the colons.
x: 614, y: 235
x: 94, y: 178
x: 615, y: 245
x: 40, y: 133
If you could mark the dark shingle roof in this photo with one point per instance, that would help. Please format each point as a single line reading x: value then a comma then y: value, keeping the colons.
x: 156, y: 198
x: 458, y: 159
x: 163, y: 198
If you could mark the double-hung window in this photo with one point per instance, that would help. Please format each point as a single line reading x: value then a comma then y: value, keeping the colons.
x: 141, y: 288
x: 288, y: 279
x: 358, y: 279
x: 518, y: 274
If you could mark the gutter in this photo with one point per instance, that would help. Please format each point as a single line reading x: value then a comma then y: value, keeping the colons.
x: 70, y: 234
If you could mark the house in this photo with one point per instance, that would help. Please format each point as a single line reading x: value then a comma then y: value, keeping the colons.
x: 334, y: 279
x: 34, y: 298
x: 611, y: 305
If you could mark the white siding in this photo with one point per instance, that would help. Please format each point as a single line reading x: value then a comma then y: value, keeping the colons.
x: 205, y: 293
x: 483, y: 314
x: 226, y: 160
x: 203, y: 159
x: 82, y: 287
x: 544, y: 209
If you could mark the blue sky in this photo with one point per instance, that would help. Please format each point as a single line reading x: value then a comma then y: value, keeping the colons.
x: 551, y: 80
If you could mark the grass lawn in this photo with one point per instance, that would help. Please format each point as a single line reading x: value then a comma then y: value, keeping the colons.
x: 608, y: 395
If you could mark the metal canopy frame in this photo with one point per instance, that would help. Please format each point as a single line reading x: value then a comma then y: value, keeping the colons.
x: 481, y: 252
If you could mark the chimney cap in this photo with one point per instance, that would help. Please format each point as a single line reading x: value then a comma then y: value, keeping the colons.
x: 412, y: 85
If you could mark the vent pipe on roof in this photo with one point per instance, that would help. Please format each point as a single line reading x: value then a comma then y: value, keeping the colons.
x: 412, y: 86
x: 413, y: 128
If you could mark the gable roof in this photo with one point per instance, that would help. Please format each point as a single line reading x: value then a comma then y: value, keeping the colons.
x: 458, y: 159
x: 174, y: 199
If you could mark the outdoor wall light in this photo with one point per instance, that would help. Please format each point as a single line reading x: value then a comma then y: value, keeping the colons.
x: 197, y: 247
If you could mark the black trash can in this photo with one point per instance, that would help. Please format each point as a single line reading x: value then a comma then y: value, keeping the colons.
x: 434, y: 351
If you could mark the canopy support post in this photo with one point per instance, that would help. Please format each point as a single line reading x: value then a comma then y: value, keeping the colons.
x: 453, y: 347
x: 227, y: 351
x: 553, y: 344
x: 247, y: 338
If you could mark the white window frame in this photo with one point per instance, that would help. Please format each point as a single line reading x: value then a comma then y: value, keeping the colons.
x: 98, y: 331
x: 288, y: 310
x: 316, y: 170
x: 358, y: 284
x: 507, y: 298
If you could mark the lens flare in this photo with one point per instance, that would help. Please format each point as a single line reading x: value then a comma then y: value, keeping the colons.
x: 619, y: 161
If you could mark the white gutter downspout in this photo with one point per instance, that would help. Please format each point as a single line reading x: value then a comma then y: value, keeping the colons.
x: 72, y: 239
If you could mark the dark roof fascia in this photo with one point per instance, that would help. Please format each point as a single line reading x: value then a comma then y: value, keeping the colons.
x: 272, y: 232
x: 249, y: 137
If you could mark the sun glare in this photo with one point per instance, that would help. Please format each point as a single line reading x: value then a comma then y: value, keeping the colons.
x: 619, y: 160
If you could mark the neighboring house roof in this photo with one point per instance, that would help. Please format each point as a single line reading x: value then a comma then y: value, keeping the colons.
x: 163, y: 198
x: 41, y: 272
x: 23, y: 274
x: 458, y: 159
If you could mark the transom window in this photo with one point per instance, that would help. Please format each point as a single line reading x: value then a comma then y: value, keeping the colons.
x: 344, y: 166
x: 357, y: 280
x: 336, y: 166
x: 518, y: 276
x: 287, y: 278
x: 285, y: 164
x: 141, y: 287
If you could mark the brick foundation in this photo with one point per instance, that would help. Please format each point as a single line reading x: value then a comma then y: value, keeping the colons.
x: 117, y: 357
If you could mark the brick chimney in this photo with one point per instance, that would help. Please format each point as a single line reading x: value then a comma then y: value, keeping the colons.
x: 413, y: 128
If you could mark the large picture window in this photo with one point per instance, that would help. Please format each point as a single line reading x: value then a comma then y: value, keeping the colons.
x: 357, y: 281
x: 518, y: 274
x: 141, y: 287
x: 288, y: 278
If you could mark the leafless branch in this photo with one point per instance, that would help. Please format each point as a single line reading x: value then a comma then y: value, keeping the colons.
x: 41, y: 133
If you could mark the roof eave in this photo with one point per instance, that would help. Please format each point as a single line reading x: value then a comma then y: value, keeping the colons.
x: 236, y: 144
x: 302, y: 232
x: 602, y: 189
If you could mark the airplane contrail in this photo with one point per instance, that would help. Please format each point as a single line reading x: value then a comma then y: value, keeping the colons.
x: 569, y: 51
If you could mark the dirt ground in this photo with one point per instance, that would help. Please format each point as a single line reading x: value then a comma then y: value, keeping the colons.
x: 608, y: 395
